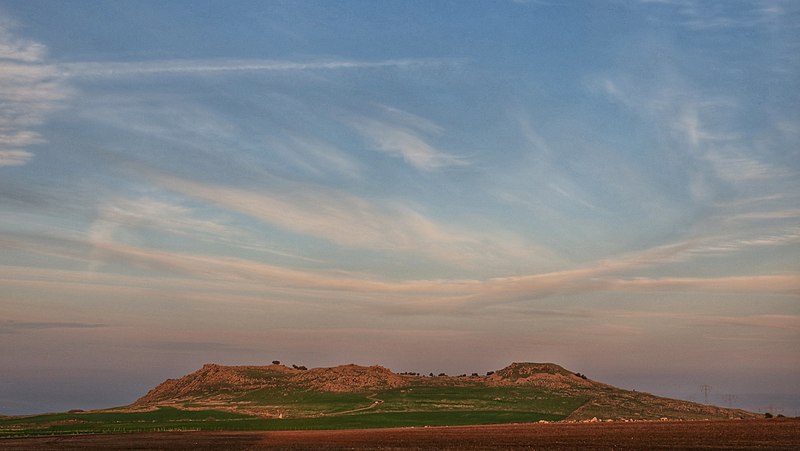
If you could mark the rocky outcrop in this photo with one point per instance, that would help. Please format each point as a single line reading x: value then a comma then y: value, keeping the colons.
x: 212, y: 379
x: 351, y: 378
x: 545, y: 375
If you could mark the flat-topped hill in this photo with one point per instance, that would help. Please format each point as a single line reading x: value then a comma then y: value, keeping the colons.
x: 277, y: 397
x: 279, y: 391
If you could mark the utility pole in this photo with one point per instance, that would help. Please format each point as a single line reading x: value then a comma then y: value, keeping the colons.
x: 706, y: 389
x: 730, y: 399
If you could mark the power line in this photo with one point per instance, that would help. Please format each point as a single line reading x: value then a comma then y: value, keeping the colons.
x: 730, y: 399
x: 706, y: 389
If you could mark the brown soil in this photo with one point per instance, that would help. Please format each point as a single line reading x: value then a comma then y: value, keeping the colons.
x: 775, y: 434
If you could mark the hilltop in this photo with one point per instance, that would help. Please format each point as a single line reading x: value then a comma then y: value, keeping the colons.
x: 278, y: 391
x: 221, y: 382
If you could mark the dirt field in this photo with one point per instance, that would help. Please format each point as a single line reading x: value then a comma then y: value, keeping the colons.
x: 737, y: 435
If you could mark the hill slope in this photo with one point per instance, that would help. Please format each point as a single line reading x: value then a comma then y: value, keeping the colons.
x: 277, y: 391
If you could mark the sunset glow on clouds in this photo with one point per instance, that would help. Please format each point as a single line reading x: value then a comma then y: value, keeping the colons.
x: 430, y: 186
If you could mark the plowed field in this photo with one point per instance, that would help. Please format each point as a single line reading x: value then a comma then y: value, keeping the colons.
x: 775, y: 434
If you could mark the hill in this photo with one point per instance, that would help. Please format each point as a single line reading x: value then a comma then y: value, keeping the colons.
x: 277, y: 397
x: 282, y: 392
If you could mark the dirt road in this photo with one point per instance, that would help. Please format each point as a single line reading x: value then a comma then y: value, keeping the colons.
x: 375, y: 403
x: 734, y: 435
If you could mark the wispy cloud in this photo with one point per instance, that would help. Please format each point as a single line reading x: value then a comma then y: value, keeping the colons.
x: 127, y: 216
x: 730, y: 168
x: 235, y: 276
x: 727, y: 153
x: 140, y: 68
x: 200, y: 276
x: 315, y: 156
x: 605, y: 275
x: 189, y: 127
x: 11, y: 326
x: 774, y: 283
x: 570, y: 196
x: 723, y: 15
x: 532, y: 2
x: 14, y: 157
x: 347, y: 220
x: 160, y: 215
x: 29, y: 90
x: 406, y: 136
x: 735, y: 168
x: 788, y: 322
x: 15, y: 48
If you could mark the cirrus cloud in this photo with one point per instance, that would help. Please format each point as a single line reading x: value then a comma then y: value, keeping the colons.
x: 29, y: 90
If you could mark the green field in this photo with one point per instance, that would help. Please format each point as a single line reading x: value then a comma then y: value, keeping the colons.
x: 180, y: 420
x: 479, y: 398
x: 407, y: 407
x: 305, y: 402
x: 169, y: 419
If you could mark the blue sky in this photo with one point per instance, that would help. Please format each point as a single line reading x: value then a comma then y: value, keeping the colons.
x: 431, y: 186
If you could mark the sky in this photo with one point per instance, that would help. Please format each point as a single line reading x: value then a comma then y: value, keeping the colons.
x: 447, y: 186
